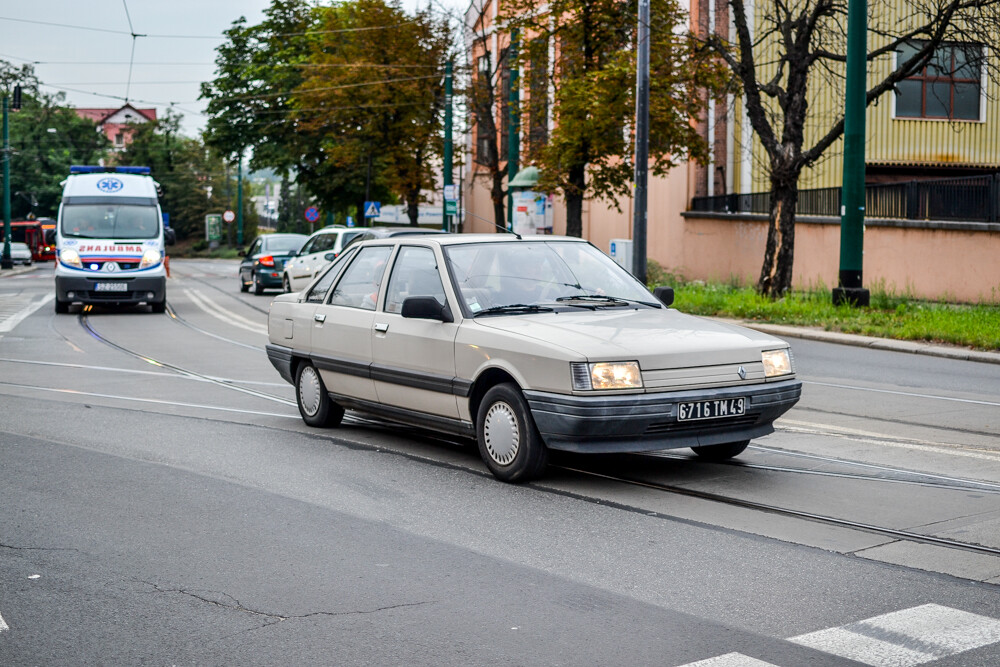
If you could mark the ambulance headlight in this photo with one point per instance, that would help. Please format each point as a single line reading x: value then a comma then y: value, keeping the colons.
x: 150, y: 258
x: 70, y: 257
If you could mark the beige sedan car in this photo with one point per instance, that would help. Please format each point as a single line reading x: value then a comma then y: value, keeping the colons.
x: 526, y: 344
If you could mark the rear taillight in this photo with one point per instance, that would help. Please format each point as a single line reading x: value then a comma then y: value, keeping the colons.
x: 266, y: 260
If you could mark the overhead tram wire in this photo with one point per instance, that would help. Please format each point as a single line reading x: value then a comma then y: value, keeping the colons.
x: 131, y: 59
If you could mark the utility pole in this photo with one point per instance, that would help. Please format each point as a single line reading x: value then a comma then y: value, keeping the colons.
x: 514, y: 128
x: 641, y: 144
x: 852, y: 211
x: 448, y: 176
x: 239, y: 200
x: 5, y: 260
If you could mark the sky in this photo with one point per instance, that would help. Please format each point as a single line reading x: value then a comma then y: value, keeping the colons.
x: 83, y: 47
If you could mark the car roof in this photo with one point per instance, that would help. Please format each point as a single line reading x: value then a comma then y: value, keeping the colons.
x: 447, y: 239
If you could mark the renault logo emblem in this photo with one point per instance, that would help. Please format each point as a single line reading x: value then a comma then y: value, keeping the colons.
x: 742, y: 372
x: 110, y: 266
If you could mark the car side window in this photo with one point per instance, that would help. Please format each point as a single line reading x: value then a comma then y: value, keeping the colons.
x: 319, y: 289
x: 414, y: 273
x: 324, y: 242
x: 359, y: 285
x: 255, y: 247
x: 308, y: 247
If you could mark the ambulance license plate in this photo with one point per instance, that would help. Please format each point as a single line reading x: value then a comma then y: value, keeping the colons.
x: 112, y: 287
x: 723, y: 407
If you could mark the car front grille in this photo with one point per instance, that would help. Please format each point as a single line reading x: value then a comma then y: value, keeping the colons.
x: 678, y: 428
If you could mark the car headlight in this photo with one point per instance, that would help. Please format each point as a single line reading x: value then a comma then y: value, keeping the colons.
x: 70, y: 257
x: 149, y: 258
x: 776, y: 362
x: 606, y: 375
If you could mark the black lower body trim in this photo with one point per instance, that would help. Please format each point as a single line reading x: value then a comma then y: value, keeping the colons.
x: 409, y: 417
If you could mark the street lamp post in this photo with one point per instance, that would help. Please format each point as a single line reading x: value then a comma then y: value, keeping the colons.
x: 5, y: 261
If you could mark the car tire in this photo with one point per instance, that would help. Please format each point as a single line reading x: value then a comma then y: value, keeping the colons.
x: 62, y: 307
x: 509, y: 441
x: 258, y: 289
x: 243, y: 286
x: 721, y: 452
x: 159, y: 306
x: 286, y: 284
x: 315, y: 405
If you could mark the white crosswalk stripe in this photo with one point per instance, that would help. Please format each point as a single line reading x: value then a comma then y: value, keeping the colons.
x: 899, y: 639
x: 731, y: 660
x: 909, y: 637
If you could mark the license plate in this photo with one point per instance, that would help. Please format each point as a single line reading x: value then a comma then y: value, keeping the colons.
x: 715, y: 409
x: 112, y: 287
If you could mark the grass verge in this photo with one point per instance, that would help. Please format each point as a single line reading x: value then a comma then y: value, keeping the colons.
x: 889, y: 316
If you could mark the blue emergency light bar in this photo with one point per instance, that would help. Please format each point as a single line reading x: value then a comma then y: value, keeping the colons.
x: 97, y: 169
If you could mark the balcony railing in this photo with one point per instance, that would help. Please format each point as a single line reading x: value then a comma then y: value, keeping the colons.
x: 967, y: 199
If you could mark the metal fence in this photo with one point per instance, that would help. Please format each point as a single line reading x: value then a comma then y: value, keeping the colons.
x: 967, y: 199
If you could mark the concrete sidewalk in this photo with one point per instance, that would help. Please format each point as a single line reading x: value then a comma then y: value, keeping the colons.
x: 912, y: 347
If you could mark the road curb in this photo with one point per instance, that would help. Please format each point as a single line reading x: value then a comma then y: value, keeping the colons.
x: 18, y: 270
x: 911, y: 347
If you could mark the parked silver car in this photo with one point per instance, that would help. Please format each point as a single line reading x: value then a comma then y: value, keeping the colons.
x: 527, y: 344
x: 20, y: 253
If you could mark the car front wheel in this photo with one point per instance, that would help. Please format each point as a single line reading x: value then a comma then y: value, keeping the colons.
x: 286, y: 284
x: 721, y: 452
x: 509, y: 441
x: 314, y: 402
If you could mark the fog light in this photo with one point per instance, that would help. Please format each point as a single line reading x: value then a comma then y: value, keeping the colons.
x: 150, y: 295
x: 70, y: 295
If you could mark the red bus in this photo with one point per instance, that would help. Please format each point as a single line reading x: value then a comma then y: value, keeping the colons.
x: 31, y: 233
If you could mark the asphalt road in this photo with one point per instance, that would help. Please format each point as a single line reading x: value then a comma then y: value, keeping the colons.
x: 163, y: 503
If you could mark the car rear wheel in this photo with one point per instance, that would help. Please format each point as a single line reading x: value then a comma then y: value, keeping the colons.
x: 721, y: 452
x: 314, y: 402
x: 509, y: 441
x: 258, y: 289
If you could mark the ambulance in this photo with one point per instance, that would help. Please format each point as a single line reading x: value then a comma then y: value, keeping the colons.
x: 110, y: 239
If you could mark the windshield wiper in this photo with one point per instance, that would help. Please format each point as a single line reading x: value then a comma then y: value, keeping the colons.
x: 597, y: 300
x: 514, y: 308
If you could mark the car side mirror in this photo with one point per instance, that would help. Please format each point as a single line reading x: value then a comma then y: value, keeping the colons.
x: 664, y: 294
x: 50, y: 237
x: 242, y: 252
x: 169, y: 236
x: 426, y: 308
x: 330, y: 256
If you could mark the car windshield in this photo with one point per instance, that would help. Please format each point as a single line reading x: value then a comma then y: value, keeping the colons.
x: 110, y: 221
x: 283, y: 244
x: 506, y: 277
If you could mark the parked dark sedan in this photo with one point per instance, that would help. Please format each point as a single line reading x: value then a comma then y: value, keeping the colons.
x: 263, y: 261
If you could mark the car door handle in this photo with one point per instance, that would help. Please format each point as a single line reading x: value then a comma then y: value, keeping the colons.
x: 319, y: 317
x: 381, y: 328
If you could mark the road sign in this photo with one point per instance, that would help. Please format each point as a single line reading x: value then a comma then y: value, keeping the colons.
x: 373, y: 209
x: 229, y: 216
x: 312, y: 214
x: 451, y: 193
x: 450, y: 207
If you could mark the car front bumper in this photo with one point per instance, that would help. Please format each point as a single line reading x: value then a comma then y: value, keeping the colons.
x: 648, y: 422
x: 137, y: 289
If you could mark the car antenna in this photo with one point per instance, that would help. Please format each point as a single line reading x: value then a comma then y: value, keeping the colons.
x: 501, y: 227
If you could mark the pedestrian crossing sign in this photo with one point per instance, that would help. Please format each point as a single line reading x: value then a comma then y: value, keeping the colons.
x: 373, y: 209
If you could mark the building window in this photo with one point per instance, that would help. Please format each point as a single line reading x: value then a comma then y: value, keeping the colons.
x: 949, y: 86
x: 119, y: 138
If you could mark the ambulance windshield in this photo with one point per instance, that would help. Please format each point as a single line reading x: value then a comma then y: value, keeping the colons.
x: 110, y: 221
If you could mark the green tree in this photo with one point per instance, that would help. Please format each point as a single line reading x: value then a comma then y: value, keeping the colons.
x: 590, y: 150
x: 46, y: 138
x: 372, y: 95
x: 193, y: 179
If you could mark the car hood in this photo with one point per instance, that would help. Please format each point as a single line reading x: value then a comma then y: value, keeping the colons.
x: 658, y: 339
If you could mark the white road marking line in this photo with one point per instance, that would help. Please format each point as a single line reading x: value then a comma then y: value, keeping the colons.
x: 158, y: 401
x: 110, y: 369
x: 220, y: 313
x: 730, y: 660
x: 3, y: 625
x: 902, y: 393
x: 868, y: 437
x: 15, y: 319
x: 905, y: 638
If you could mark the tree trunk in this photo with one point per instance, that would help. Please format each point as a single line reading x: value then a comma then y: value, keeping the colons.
x: 574, y: 200
x: 776, y: 273
x: 413, y: 206
x: 497, y: 196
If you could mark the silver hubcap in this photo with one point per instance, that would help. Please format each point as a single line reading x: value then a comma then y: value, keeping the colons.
x: 501, y: 434
x: 309, y: 391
